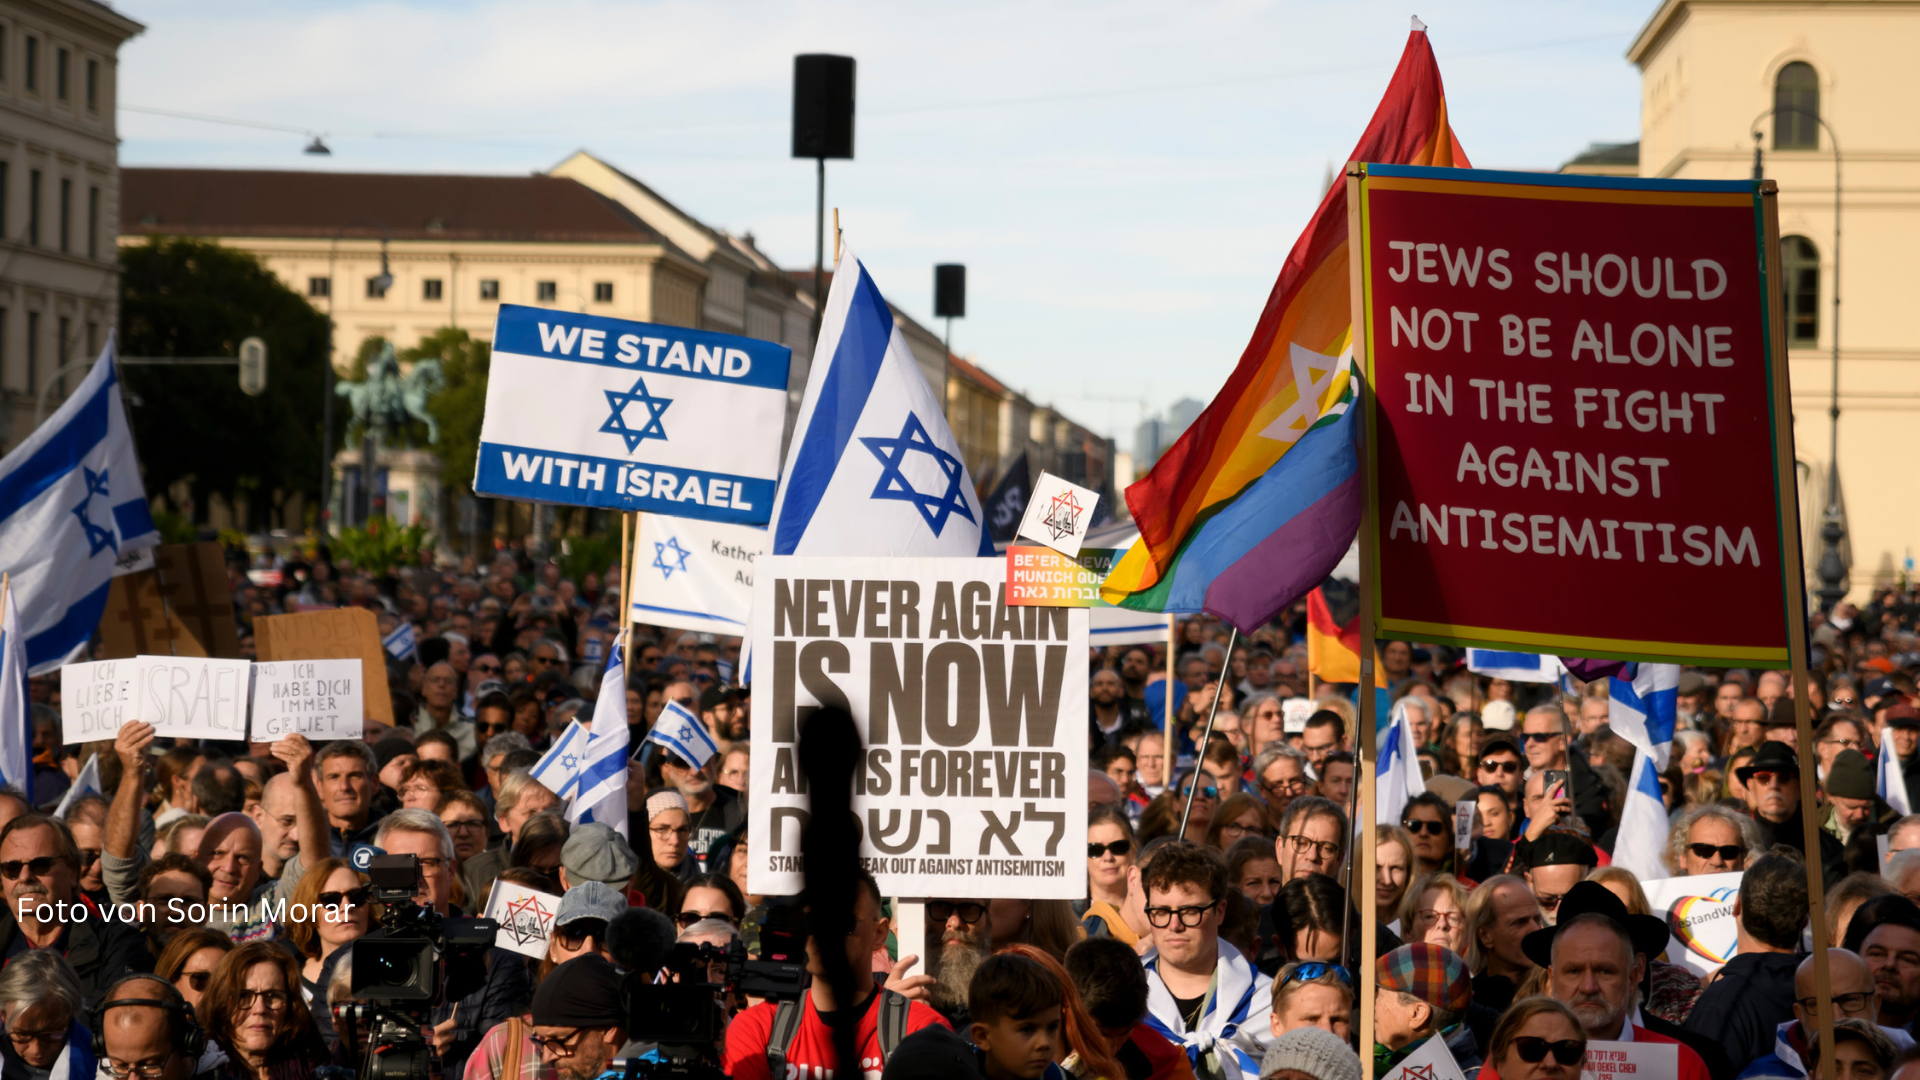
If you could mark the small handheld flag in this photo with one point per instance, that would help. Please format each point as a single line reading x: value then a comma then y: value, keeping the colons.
x: 1643, y: 707
x: 683, y: 733
x: 601, y: 786
x: 1889, y: 782
x: 1643, y: 820
x: 400, y: 643
x: 559, y: 768
x: 87, y: 783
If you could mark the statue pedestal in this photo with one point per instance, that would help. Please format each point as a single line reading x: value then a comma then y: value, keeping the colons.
x: 405, y: 482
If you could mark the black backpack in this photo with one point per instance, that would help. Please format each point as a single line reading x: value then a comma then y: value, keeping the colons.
x: 786, y: 1029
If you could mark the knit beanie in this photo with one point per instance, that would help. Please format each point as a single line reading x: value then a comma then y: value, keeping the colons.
x: 1314, y: 1051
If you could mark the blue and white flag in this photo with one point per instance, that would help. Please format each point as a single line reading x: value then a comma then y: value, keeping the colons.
x: 16, y: 708
x: 694, y: 575
x: 1643, y: 708
x: 1642, y: 835
x: 71, y: 505
x: 1515, y: 666
x: 559, y: 768
x: 1889, y: 782
x: 87, y: 783
x: 601, y: 790
x: 683, y: 733
x: 591, y: 411
x: 1397, y: 771
x: 873, y: 468
x: 400, y: 643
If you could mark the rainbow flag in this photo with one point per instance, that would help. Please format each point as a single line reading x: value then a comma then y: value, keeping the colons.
x: 1259, y: 499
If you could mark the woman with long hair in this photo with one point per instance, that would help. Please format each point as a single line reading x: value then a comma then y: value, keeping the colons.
x: 1437, y: 913
x: 1241, y: 816
x: 710, y: 896
x: 252, y: 1008
x: 336, y: 909
x: 540, y: 841
x: 1314, y: 905
x: 1090, y: 1057
x: 1253, y: 869
x: 189, y: 959
x: 1111, y: 834
x: 1460, y: 745
x: 1392, y: 873
x: 1050, y: 924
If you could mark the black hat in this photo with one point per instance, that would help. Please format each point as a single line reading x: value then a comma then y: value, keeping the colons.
x: 1497, y: 745
x: 1901, y: 715
x: 1558, y: 848
x: 933, y: 1053
x: 1772, y: 756
x: 1851, y: 776
x: 583, y: 992
x: 717, y: 694
x: 1648, y: 934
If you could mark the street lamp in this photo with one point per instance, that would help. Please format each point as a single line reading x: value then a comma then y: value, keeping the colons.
x: 1831, y: 570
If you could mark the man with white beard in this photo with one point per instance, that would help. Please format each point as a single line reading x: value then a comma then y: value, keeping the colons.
x: 959, y: 936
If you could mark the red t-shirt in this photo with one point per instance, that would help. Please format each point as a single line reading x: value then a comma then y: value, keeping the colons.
x: 812, y: 1055
x: 1162, y: 1058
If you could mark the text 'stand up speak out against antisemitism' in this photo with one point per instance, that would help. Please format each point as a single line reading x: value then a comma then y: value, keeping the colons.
x: 973, y: 782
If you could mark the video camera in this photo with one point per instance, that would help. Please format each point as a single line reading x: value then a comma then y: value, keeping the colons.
x: 413, y: 962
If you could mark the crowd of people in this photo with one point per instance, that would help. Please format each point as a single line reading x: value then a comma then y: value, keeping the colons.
x: 198, y: 916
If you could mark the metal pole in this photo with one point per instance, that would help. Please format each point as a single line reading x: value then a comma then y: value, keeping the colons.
x: 1353, y: 823
x: 819, y: 240
x: 946, y: 353
x: 1226, y: 672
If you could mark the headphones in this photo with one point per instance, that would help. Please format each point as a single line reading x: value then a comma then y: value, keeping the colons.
x: 189, y: 1038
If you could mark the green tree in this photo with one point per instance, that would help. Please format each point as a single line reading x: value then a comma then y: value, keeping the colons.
x: 185, y: 297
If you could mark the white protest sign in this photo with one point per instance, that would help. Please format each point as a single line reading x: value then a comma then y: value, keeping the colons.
x: 1431, y: 1060
x: 525, y: 917
x: 591, y: 411
x: 974, y: 716
x: 694, y: 575
x: 95, y: 699
x: 321, y: 699
x: 1294, y: 713
x: 1607, y: 1060
x: 1698, y: 912
x: 1463, y: 812
x: 192, y: 697
x: 1059, y: 514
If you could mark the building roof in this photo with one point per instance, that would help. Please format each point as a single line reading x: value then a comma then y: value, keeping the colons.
x: 1614, y: 155
x: 258, y: 202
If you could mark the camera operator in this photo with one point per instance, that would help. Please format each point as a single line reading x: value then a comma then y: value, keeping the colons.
x: 159, y: 1032
x: 749, y: 1051
x: 580, y: 1018
x: 40, y: 875
x: 579, y: 928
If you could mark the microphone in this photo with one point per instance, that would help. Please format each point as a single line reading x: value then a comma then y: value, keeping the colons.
x: 640, y: 939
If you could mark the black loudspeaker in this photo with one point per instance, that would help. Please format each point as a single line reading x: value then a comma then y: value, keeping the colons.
x: 950, y: 291
x: 822, y: 106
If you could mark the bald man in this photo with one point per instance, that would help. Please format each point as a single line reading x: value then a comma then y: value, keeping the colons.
x: 139, y: 1037
x: 274, y: 813
x: 1854, y: 998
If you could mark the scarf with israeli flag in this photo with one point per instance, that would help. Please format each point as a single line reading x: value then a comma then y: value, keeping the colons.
x: 1234, y: 1026
x: 1889, y: 782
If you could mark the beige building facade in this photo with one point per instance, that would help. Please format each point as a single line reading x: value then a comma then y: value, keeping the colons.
x: 1713, y: 72
x: 59, y: 195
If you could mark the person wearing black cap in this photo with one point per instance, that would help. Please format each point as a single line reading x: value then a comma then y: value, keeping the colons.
x: 1753, y: 994
x: 1856, y: 814
x: 1554, y: 864
x: 580, y: 1017
x: 720, y: 708
x: 1772, y: 779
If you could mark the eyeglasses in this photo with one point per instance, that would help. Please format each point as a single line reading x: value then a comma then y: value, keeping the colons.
x: 487, y: 669
x: 688, y: 918
x: 1431, y: 828
x: 89, y: 856
x: 1118, y: 847
x: 40, y: 866
x: 1548, y: 901
x: 1301, y: 845
x: 547, y: 661
x: 359, y: 897
x: 462, y: 824
x: 939, y: 911
x: 1445, y: 920
x: 1763, y: 777
x: 1292, y: 785
x: 1533, y: 1049
x: 1851, y: 1004
x: 152, y: 1068
x: 1848, y: 744
x: 561, y: 1047
x: 1314, y: 969
x: 1723, y: 852
x: 43, y: 1038
x: 197, y: 979
x: 664, y: 831
x: 493, y: 728
x: 575, y: 935
x: 1190, y: 917
x: 1541, y: 736
x: 274, y: 1000
x: 1499, y: 765
x: 1240, y: 831
x: 429, y: 864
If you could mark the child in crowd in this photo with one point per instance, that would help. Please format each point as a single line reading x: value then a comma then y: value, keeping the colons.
x: 1016, y: 1006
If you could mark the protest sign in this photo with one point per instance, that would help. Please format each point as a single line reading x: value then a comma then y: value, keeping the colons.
x: 136, y: 621
x: 193, y: 582
x: 191, y: 697
x: 321, y: 699
x: 525, y: 917
x: 591, y: 411
x: 1059, y: 514
x: 1294, y: 713
x: 1042, y: 577
x: 1643, y: 1060
x: 694, y: 575
x: 1464, y: 812
x: 96, y: 699
x: 332, y: 634
x: 1431, y: 1060
x: 1698, y: 912
x: 1572, y: 396
x: 974, y: 715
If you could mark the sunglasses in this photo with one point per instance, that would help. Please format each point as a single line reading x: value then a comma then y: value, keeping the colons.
x: 1724, y: 852
x: 1533, y: 1049
x: 939, y: 911
x: 1209, y: 791
x: 354, y: 897
x: 1541, y: 736
x: 1118, y: 847
x: 40, y: 866
x: 487, y: 669
x: 577, y: 933
x: 1431, y: 828
x: 197, y: 979
x: 1314, y: 969
x: 1491, y: 765
x: 688, y: 918
x: 1767, y: 777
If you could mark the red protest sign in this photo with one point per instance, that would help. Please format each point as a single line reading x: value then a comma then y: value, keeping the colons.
x: 1572, y: 438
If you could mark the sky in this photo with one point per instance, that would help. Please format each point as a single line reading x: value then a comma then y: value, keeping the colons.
x: 1122, y: 179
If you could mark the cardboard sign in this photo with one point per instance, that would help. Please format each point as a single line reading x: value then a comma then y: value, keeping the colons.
x: 975, y: 716
x: 591, y: 411
x: 192, y: 697
x: 136, y: 622
x: 333, y: 634
x: 1572, y: 396
x: 1059, y: 514
x: 95, y: 699
x: 1698, y: 912
x: 1463, y: 812
x: 321, y: 699
x: 525, y: 917
x: 1431, y: 1060
x: 694, y: 575
x: 193, y: 582
x: 1642, y: 1060
x: 1042, y: 577
x: 1294, y: 714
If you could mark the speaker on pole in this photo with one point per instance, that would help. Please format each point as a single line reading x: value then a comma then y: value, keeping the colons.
x: 950, y: 291
x: 822, y: 106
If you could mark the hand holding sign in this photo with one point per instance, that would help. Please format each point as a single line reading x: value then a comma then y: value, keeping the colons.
x: 95, y: 698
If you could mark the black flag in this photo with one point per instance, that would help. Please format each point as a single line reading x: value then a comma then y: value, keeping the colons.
x: 1008, y: 503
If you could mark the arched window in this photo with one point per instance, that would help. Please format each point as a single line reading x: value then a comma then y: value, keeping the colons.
x: 1796, y: 107
x: 1800, y: 284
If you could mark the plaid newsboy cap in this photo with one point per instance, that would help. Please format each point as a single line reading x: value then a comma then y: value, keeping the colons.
x: 1433, y: 973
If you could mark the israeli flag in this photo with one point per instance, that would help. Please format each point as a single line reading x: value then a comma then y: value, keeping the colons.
x: 685, y: 734
x: 16, y: 708
x: 400, y: 643
x: 1642, y: 835
x: 1397, y: 771
x: 559, y: 768
x: 873, y: 468
x: 694, y: 575
x: 1889, y: 782
x: 1515, y: 666
x: 71, y: 505
x: 1642, y: 709
x: 601, y: 788
x: 87, y: 783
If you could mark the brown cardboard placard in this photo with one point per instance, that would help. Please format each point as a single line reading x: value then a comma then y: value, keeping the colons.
x: 335, y: 634
x: 193, y: 582
x: 135, y: 622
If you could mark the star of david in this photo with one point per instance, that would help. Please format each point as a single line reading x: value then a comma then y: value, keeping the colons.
x: 532, y: 928
x: 669, y: 557
x: 686, y: 732
x: 98, y: 538
x: 893, y: 483
x: 652, y: 407
x: 1063, y: 516
x: 569, y: 762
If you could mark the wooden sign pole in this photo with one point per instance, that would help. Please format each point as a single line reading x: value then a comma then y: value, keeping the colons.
x: 1794, y: 585
x: 1166, y: 703
x: 1364, y: 777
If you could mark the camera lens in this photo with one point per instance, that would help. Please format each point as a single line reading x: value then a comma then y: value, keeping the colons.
x: 390, y: 969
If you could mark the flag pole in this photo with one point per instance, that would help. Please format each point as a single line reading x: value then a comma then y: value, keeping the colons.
x: 1166, y: 704
x: 629, y: 520
x: 1364, y: 777
x: 1226, y: 672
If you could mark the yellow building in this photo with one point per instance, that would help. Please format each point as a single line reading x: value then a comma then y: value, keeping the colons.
x: 1805, y: 74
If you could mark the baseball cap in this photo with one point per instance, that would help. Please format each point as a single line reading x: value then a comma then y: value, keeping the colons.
x: 1557, y: 848
x: 717, y: 695
x: 590, y: 900
x: 1498, y: 716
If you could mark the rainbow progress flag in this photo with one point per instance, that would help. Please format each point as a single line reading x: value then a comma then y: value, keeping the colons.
x: 1260, y: 498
